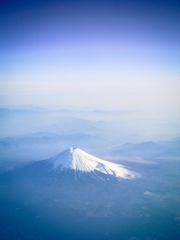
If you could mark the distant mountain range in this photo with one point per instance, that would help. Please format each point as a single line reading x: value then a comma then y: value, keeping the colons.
x: 147, y: 149
x: 43, y: 145
x: 34, y: 133
x: 125, y: 126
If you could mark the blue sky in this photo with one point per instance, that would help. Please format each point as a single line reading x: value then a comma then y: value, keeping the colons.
x: 90, y: 54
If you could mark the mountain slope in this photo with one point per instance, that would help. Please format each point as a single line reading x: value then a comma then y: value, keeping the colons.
x: 78, y: 160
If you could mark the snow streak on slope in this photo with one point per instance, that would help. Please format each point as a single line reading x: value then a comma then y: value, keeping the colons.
x: 76, y: 159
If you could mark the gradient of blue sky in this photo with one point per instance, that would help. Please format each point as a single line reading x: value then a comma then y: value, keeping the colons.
x: 98, y: 54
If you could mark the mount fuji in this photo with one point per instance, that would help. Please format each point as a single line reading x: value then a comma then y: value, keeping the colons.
x: 76, y: 160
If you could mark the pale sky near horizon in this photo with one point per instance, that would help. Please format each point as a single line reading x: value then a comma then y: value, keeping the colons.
x: 91, y: 54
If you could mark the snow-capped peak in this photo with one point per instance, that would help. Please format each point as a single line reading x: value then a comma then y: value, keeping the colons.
x: 76, y: 159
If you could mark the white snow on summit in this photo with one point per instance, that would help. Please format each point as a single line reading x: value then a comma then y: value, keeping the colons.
x: 76, y: 159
